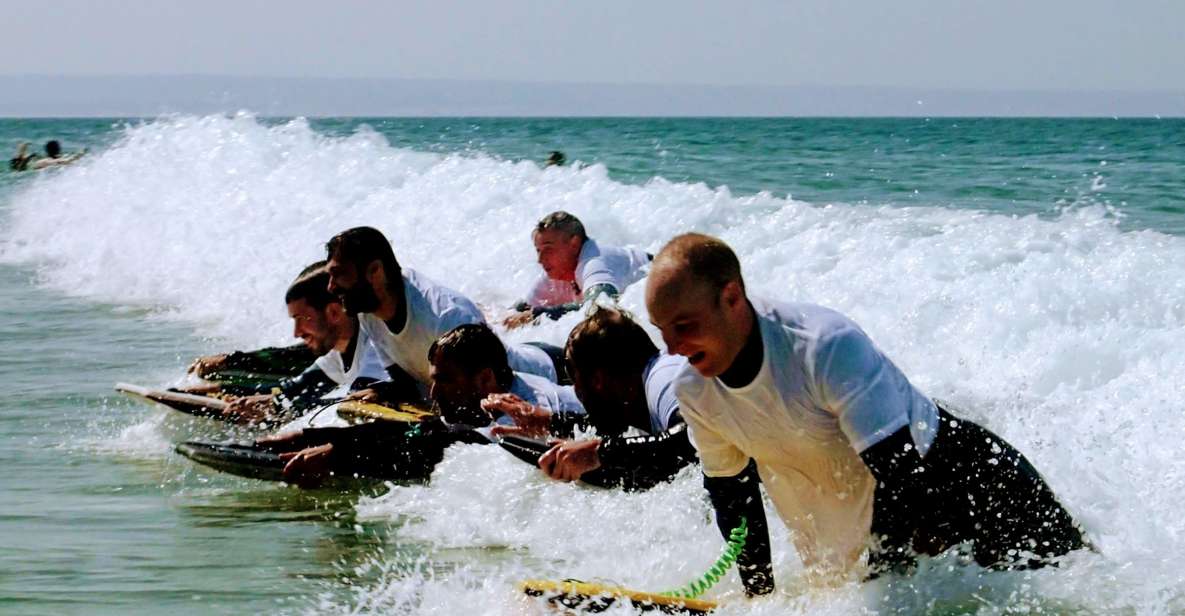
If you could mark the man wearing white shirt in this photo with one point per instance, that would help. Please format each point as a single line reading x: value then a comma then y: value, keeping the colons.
x: 466, y: 365
x: 345, y: 356
x: 854, y: 457
x: 403, y: 312
x: 576, y: 269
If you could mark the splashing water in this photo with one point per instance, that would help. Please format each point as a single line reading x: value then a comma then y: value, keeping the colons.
x: 1063, y: 335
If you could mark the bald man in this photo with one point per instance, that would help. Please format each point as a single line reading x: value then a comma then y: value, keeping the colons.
x: 854, y: 457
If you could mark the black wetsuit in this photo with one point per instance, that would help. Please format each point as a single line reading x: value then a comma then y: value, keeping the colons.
x: 635, y: 463
x: 249, y: 372
x: 972, y: 486
x: 557, y: 359
x: 389, y: 449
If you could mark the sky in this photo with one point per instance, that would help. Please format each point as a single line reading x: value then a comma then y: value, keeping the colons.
x: 1000, y: 44
x: 1136, y: 46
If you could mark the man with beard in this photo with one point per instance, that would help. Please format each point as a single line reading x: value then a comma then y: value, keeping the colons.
x: 854, y: 457
x: 466, y: 365
x: 345, y: 357
x: 402, y: 312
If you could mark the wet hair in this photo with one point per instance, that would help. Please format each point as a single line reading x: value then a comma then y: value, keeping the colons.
x: 556, y: 157
x: 362, y: 246
x: 53, y: 148
x: 706, y: 258
x: 561, y: 221
x: 609, y: 341
x: 473, y: 347
x: 312, y: 286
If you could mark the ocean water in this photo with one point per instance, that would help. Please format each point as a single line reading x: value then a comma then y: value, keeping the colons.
x: 1028, y: 270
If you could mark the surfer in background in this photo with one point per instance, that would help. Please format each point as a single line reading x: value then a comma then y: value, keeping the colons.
x: 624, y: 382
x: 467, y: 365
x: 402, y: 312
x: 344, y: 357
x: 24, y: 160
x: 555, y: 159
x: 576, y: 269
x: 853, y: 456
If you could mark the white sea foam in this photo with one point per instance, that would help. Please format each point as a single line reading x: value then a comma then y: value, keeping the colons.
x: 1064, y: 335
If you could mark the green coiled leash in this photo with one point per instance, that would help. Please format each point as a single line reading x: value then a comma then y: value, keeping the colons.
x: 735, y: 544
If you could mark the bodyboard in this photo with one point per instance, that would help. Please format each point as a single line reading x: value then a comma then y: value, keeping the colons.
x: 244, y: 460
x: 405, y: 412
x: 194, y: 404
x: 571, y: 595
x: 528, y: 450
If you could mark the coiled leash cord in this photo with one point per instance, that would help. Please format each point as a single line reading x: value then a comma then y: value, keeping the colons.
x: 735, y: 544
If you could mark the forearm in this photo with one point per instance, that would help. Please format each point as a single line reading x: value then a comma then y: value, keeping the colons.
x: 736, y: 497
x: 895, y: 465
x: 642, y: 462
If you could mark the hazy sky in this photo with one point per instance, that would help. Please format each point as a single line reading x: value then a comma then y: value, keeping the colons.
x: 990, y: 45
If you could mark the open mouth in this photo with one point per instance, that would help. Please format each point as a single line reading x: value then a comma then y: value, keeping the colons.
x: 696, y: 358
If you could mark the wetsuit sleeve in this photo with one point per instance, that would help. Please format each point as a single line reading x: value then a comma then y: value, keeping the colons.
x: 389, y: 448
x: 289, y: 360
x: 401, y: 386
x: 896, y: 466
x: 736, y: 497
x: 565, y: 423
x: 305, y: 389
x: 554, y: 312
x: 857, y: 382
x: 642, y: 462
x: 596, y: 290
x: 590, y: 294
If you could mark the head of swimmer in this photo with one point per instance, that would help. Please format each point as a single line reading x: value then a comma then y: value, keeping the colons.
x: 362, y: 268
x: 318, y: 317
x: 465, y: 365
x: 558, y: 238
x: 607, y: 354
x: 53, y: 149
x: 696, y: 297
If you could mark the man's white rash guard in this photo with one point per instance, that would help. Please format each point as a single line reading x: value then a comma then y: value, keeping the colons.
x: 823, y: 394
x: 597, y: 265
x: 433, y: 310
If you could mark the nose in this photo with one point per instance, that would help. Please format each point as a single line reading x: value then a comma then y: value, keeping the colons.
x: 334, y: 288
x: 668, y: 339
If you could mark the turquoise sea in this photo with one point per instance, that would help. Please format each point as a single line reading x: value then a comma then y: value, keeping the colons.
x: 1031, y: 270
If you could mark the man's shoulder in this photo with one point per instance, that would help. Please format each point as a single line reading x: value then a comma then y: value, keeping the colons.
x: 533, y: 388
x: 665, y: 367
x: 689, y: 384
x: 441, y: 299
x: 819, y: 321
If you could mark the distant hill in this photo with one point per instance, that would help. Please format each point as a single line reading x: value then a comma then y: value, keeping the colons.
x: 138, y: 96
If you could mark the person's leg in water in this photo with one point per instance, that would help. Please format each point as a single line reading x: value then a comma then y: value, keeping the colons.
x: 971, y: 486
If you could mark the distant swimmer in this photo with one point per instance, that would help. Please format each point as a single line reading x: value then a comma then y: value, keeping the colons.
x: 25, y: 161
x: 624, y: 382
x: 576, y: 269
x: 402, y: 312
x: 555, y: 159
x: 854, y: 457
x: 466, y: 365
x: 345, y: 357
